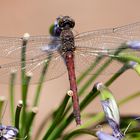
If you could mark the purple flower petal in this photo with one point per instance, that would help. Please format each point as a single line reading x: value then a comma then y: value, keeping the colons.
x: 8, y: 132
x: 104, y: 136
x: 132, y: 64
x: 134, y: 45
x: 135, y: 66
x: 111, y: 110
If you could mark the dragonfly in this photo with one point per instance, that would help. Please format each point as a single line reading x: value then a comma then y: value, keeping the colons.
x: 68, y: 52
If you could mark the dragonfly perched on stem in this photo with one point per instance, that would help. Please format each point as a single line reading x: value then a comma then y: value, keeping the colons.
x: 67, y: 52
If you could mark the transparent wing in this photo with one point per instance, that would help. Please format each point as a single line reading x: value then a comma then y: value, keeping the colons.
x: 56, y: 68
x: 100, y: 60
x: 98, y: 38
x: 106, y: 42
x: 37, y: 45
x: 96, y: 64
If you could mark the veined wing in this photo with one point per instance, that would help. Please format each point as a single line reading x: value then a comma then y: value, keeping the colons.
x: 56, y: 68
x: 110, y: 38
x: 91, y: 45
x: 36, y: 45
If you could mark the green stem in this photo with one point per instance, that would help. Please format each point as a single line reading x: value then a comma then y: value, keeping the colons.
x: 58, y: 117
x: 41, y: 80
x: 90, y: 97
x: 117, y: 74
x: 39, y: 87
x: 23, y: 79
x: 2, y: 100
x: 58, y: 130
x: 129, y: 98
x: 79, y: 132
x: 93, y: 77
x: 12, y: 97
x: 134, y: 131
x: 127, y: 57
x: 30, y: 119
x: 95, y: 119
x: 24, y: 98
x: 23, y: 63
x: 93, y: 65
x: 65, y: 122
x: 43, y: 124
x: 17, y: 115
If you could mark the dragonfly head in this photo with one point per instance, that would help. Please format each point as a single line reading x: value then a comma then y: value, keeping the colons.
x: 61, y: 23
x: 65, y: 22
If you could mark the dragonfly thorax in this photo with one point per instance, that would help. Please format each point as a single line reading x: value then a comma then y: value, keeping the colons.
x: 67, y: 41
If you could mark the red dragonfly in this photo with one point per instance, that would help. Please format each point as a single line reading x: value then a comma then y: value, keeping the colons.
x: 67, y: 51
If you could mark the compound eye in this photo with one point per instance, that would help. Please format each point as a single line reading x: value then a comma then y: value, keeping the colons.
x: 54, y: 30
x: 51, y: 30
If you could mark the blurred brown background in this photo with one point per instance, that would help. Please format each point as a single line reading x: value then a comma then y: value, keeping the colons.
x: 35, y: 17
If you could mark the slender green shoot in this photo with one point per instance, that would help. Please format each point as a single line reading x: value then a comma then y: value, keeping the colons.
x: 12, y: 96
x: 41, y: 80
x: 2, y: 101
x: 30, y: 119
x: 17, y: 114
x: 79, y: 132
x: 24, y: 85
x: 58, y: 117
